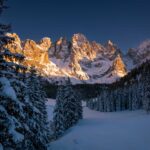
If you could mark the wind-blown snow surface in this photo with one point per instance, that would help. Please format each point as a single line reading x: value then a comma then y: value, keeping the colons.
x: 128, y: 130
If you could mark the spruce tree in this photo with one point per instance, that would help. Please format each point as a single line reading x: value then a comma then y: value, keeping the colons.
x: 130, y: 97
x: 70, y: 106
x: 118, y: 99
x: 104, y: 97
x: 58, y: 119
x: 68, y: 109
x: 11, y: 117
x: 146, y: 97
x: 79, y: 98
x: 135, y: 102
x: 38, y: 121
x: 23, y: 117
x: 101, y: 102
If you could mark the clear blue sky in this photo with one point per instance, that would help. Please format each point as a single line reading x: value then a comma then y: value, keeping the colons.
x: 125, y: 22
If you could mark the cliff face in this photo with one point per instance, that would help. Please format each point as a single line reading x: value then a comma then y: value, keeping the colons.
x: 79, y: 59
x: 87, y: 61
x: 119, y: 67
x: 36, y: 54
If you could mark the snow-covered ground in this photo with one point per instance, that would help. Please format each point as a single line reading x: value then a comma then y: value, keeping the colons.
x: 128, y: 130
x: 50, y: 107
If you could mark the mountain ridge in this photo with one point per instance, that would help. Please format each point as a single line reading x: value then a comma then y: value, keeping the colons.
x: 81, y: 60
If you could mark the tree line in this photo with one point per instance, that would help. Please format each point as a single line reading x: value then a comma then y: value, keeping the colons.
x: 131, y: 92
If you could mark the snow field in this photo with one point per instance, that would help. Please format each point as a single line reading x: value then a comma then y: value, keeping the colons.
x: 126, y: 130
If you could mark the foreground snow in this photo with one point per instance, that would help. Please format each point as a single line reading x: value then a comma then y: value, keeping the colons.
x: 106, y: 131
x: 50, y: 107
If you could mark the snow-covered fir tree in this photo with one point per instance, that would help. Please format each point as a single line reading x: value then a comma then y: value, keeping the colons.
x: 79, y: 108
x: 135, y: 102
x: 12, y: 77
x: 37, y: 122
x: 28, y: 108
x: 23, y: 117
x: 70, y: 106
x: 68, y: 109
x: 58, y: 119
x: 12, y: 118
x: 130, y: 94
x: 112, y: 101
x: 99, y: 103
x: 146, y: 97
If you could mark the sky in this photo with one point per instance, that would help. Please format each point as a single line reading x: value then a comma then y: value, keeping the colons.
x: 125, y: 22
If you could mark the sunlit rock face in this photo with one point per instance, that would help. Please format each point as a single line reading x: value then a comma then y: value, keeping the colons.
x: 36, y: 54
x: 16, y: 45
x: 87, y: 61
x: 81, y: 60
x: 45, y: 43
x: 119, y: 67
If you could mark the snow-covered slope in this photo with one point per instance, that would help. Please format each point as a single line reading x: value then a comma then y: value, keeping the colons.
x: 89, y: 62
x: 127, y: 130
x: 136, y: 56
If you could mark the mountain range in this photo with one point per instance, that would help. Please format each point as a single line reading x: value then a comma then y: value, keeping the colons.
x: 79, y: 59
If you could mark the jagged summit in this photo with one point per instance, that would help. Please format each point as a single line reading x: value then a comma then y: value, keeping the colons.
x: 136, y: 56
x: 45, y: 43
x: 80, y: 59
x: 79, y: 37
x: 144, y: 45
x: 110, y: 43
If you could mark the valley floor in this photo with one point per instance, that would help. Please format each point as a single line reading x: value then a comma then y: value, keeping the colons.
x: 128, y: 130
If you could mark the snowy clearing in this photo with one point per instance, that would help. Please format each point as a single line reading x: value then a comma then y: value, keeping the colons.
x: 128, y: 130
x: 50, y: 107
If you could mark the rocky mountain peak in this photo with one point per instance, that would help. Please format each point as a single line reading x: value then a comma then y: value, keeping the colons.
x: 136, y: 56
x: 79, y: 39
x: 82, y: 47
x: 36, y: 54
x: 109, y: 42
x: 61, y: 41
x: 16, y: 44
x: 14, y: 36
x: 110, y: 48
x: 80, y: 59
x: 119, y: 66
x: 145, y: 45
x: 60, y: 49
x: 45, y: 43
